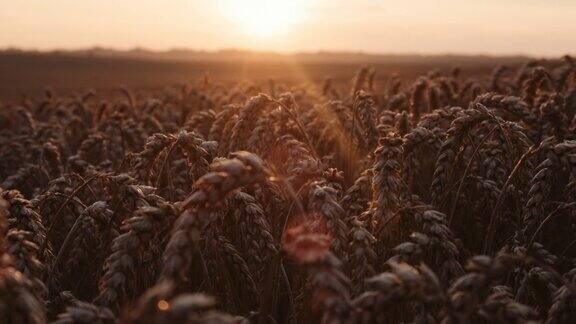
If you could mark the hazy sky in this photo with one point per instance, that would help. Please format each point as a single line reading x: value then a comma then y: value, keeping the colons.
x: 540, y: 27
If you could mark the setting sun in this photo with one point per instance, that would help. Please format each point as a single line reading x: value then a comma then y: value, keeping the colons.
x: 263, y: 18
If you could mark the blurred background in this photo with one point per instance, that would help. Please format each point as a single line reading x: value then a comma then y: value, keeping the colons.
x: 143, y: 43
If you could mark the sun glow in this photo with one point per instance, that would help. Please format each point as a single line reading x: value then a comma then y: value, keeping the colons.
x: 264, y: 18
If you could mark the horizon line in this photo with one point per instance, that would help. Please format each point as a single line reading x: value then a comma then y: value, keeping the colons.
x: 10, y: 48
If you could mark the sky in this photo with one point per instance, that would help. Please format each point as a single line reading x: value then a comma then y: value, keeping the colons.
x: 534, y: 27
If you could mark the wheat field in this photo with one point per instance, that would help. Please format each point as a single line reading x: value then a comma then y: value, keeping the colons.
x: 439, y: 199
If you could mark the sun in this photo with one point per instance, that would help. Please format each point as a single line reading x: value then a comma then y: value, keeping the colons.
x: 264, y: 18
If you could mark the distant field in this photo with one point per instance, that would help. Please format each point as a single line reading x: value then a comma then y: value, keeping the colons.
x: 31, y: 74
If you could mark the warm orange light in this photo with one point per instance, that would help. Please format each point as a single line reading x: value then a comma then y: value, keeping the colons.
x: 264, y: 18
x: 163, y: 305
